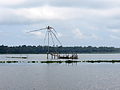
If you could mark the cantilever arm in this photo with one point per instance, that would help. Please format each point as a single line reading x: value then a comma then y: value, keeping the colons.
x: 52, y: 38
x: 56, y: 38
x: 53, y: 29
x: 36, y: 30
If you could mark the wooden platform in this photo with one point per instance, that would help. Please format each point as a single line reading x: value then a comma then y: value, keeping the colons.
x: 65, y: 56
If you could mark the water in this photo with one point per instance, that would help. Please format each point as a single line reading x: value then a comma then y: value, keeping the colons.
x: 42, y: 57
x: 82, y: 76
x: 60, y: 77
x: 30, y: 57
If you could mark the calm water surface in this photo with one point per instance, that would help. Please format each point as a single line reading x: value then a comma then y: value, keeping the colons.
x: 82, y: 76
x: 42, y: 57
x: 60, y: 77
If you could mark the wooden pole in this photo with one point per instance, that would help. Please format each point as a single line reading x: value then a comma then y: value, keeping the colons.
x: 48, y: 45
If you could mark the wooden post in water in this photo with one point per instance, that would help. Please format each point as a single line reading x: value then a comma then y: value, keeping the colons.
x: 47, y: 56
x: 54, y: 56
x: 48, y: 45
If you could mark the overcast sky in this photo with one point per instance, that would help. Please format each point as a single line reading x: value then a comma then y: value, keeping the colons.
x: 78, y: 22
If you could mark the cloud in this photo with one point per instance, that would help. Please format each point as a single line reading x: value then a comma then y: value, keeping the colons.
x: 78, y: 34
x: 115, y: 30
x: 38, y: 34
x: 86, y: 36
x: 62, y: 3
x: 26, y: 15
x: 94, y: 19
x: 115, y: 37
x: 59, y: 35
x: 115, y: 34
x: 43, y: 13
x: 93, y: 36
x: 4, y: 3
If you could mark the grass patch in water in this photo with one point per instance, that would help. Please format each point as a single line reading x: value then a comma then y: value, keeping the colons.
x: 100, y: 61
x: 67, y: 61
x: 71, y: 61
x: 52, y: 61
x: 11, y: 61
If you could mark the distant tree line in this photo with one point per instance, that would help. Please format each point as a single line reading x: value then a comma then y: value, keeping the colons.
x: 44, y: 49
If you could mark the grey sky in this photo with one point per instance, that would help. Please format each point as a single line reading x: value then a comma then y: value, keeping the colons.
x: 78, y: 22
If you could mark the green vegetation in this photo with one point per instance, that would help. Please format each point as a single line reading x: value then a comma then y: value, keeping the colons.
x: 43, y: 49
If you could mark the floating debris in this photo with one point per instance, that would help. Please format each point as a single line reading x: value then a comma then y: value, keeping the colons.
x: 18, y: 57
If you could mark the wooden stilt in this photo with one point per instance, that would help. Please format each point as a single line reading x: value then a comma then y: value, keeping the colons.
x: 47, y: 56
x: 54, y: 56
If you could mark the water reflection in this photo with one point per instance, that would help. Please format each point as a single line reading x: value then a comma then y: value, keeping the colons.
x: 73, y: 76
x: 59, y: 77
